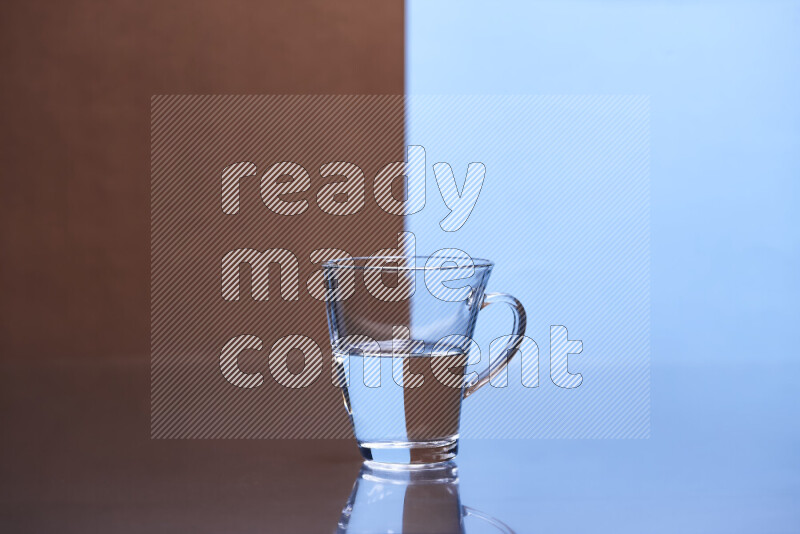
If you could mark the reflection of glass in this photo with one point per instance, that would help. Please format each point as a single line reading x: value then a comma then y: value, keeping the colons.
x: 424, y: 501
x: 401, y: 342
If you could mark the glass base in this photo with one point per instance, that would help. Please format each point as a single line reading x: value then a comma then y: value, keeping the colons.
x: 418, y: 454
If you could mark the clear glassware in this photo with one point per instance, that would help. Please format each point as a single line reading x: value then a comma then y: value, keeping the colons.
x: 401, y: 330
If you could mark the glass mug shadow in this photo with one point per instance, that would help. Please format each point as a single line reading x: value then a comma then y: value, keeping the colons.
x: 410, y: 501
x: 401, y: 329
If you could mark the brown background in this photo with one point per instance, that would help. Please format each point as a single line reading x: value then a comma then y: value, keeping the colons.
x: 193, y: 140
x: 77, y: 82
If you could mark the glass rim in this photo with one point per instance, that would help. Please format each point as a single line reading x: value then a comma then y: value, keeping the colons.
x: 353, y: 263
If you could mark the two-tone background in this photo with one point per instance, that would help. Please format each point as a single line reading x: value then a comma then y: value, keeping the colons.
x: 720, y: 81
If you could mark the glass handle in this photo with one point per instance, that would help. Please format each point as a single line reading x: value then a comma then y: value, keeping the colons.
x: 518, y: 330
x: 467, y: 511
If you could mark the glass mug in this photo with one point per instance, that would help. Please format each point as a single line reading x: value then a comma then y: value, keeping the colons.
x: 401, y: 330
x: 411, y: 500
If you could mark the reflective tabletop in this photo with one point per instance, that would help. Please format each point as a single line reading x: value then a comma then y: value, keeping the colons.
x: 722, y: 457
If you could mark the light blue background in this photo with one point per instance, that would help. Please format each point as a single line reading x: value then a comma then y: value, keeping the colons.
x: 564, y: 211
x: 723, y: 80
